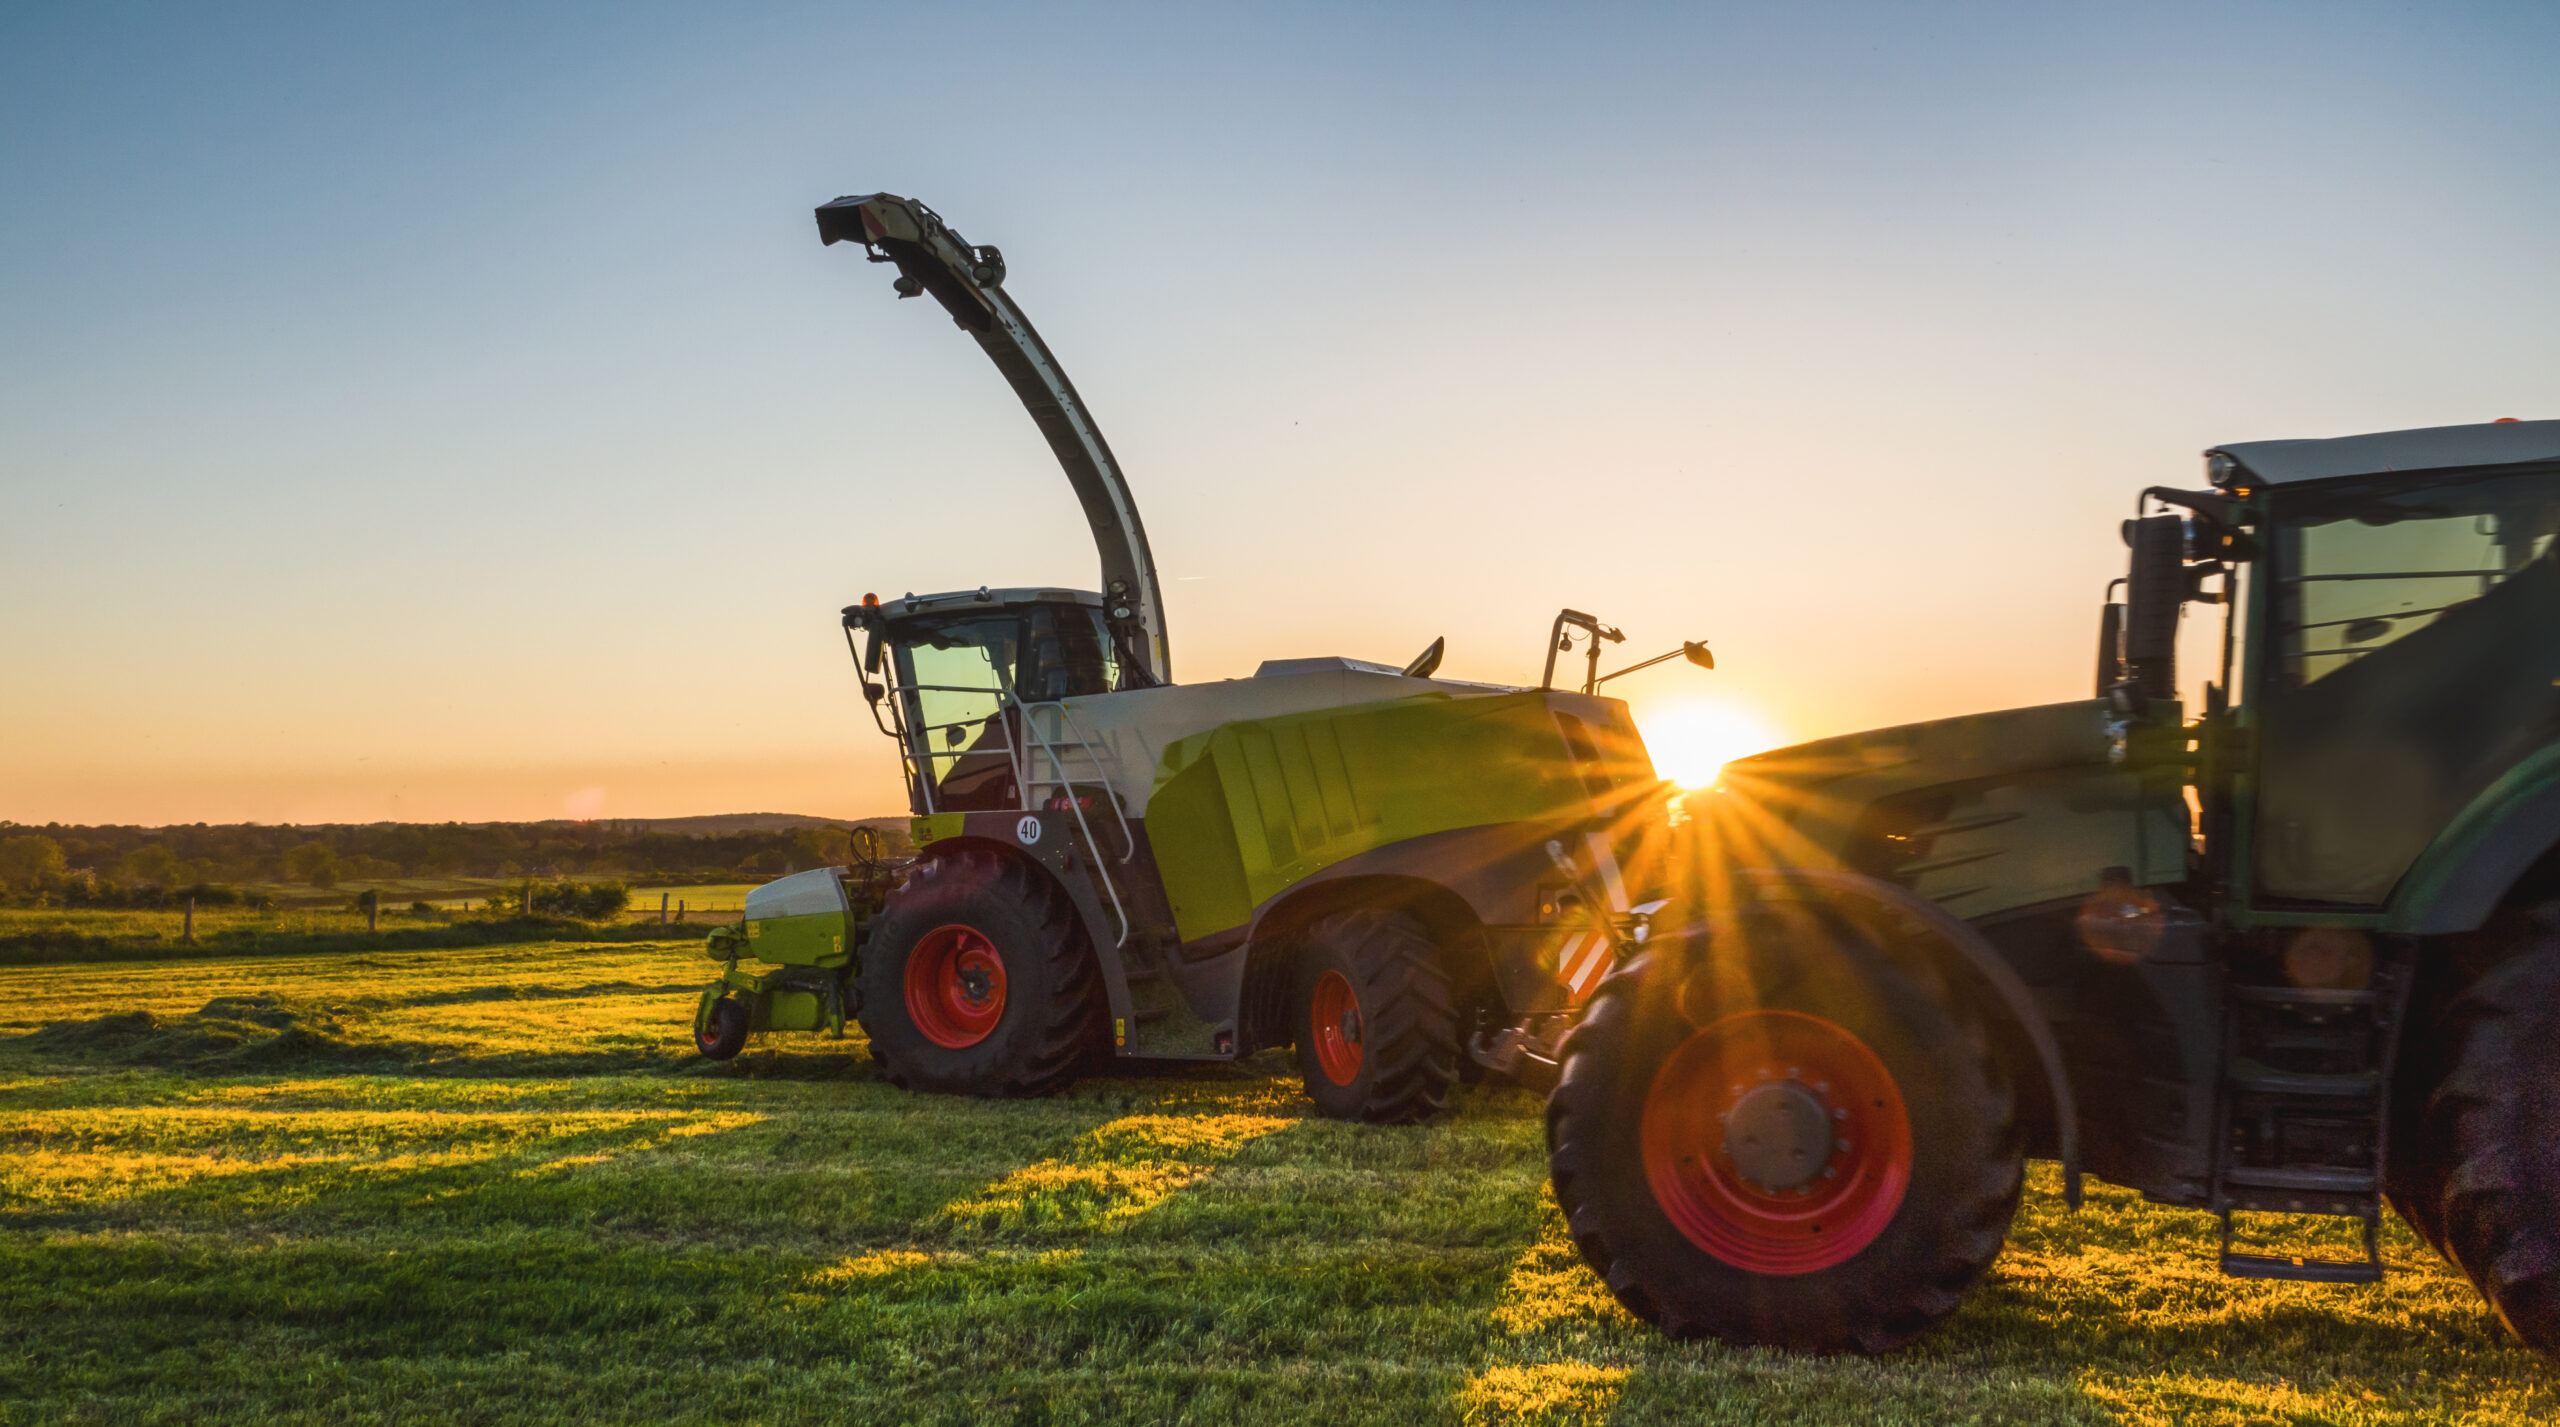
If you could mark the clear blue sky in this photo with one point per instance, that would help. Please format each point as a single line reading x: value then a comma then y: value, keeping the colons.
x: 448, y: 411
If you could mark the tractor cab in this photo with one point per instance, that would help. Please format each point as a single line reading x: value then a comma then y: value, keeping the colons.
x: 2390, y: 651
x: 954, y: 673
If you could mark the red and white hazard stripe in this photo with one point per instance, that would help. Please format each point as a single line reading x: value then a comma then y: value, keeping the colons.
x: 1588, y: 956
x: 1585, y: 959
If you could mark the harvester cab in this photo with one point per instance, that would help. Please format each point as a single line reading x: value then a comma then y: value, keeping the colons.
x: 2289, y: 947
x: 1403, y: 877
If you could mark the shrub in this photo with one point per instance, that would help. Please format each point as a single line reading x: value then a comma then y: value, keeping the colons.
x: 587, y: 901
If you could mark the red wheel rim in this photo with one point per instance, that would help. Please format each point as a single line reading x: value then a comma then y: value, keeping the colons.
x: 1334, y: 1016
x: 955, y: 986
x: 1777, y: 1141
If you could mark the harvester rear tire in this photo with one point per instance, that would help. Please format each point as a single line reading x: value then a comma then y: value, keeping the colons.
x: 1377, y: 1035
x: 1688, y: 1077
x: 724, y: 1032
x: 977, y: 979
x: 2494, y: 1125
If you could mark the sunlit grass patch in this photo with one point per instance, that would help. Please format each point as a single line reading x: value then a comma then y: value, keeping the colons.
x: 1115, y: 1173
x: 1549, y: 1287
x: 1543, y: 1393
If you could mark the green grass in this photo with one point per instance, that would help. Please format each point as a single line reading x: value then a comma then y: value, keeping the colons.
x: 697, y: 897
x: 493, y: 1184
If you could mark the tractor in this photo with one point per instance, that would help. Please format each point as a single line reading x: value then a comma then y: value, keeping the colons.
x: 2291, y: 950
x: 1409, y: 879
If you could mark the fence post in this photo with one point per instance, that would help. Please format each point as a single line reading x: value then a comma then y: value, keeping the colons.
x: 679, y: 911
x: 372, y: 912
x: 662, y: 908
x: 188, y: 935
x: 527, y: 909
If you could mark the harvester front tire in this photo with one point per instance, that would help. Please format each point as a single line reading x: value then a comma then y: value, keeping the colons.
x: 977, y: 979
x: 1377, y: 1035
x: 2494, y: 1125
x: 724, y: 1031
x: 1883, y: 1136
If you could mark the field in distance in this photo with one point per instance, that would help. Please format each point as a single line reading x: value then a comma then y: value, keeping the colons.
x: 493, y: 1183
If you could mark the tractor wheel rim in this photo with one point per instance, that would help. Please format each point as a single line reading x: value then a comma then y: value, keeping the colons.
x: 955, y: 986
x: 1777, y: 1142
x: 1335, y: 1026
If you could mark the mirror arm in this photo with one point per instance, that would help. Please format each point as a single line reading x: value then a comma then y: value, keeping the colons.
x: 1647, y: 664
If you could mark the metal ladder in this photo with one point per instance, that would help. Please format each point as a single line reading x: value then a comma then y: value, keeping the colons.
x: 2304, y: 1124
x: 1072, y: 736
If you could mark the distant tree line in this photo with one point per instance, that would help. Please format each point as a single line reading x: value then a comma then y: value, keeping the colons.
x: 124, y: 866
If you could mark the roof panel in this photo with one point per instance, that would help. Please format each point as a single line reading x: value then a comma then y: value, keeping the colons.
x: 2427, y: 448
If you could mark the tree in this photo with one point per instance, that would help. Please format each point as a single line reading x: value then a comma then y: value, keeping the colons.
x: 313, y: 863
x: 28, y: 861
x: 150, y: 865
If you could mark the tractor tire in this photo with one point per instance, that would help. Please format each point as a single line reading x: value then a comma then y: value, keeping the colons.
x: 1787, y: 1143
x: 2494, y: 1126
x: 1377, y: 1036
x: 724, y: 1031
x: 977, y: 979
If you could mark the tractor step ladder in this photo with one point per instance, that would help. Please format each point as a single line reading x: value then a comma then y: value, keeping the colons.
x: 2305, y: 1117
x: 1051, y: 747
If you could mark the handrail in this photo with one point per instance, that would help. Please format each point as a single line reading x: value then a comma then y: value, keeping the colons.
x: 1119, y: 809
x: 1066, y: 787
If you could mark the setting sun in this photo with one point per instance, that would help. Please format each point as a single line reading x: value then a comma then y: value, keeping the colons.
x: 1692, y: 740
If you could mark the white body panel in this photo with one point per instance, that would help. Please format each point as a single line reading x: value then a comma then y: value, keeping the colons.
x: 801, y: 894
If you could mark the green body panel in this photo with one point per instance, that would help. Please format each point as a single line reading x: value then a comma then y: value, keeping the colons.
x: 1242, y: 812
x: 817, y: 939
x: 788, y: 1011
x: 926, y: 829
x: 2417, y: 904
x: 1980, y: 814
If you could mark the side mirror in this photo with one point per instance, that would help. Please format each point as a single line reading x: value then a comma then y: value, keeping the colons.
x: 2110, y: 646
x: 2155, y: 593
x: 1699, y: 654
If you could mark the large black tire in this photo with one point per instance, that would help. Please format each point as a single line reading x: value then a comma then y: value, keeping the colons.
x: 1377, y: 1036
x: 2494, y: 1127
x: 724, y: 1031
x: 1634, y: 1135
x: 1019, y: 942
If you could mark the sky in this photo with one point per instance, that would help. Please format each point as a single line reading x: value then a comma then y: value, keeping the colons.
x: 448, y: 412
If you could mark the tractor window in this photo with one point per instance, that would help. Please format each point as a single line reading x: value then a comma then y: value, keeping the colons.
x: 2414, y: 641
x: 1070, y: 654
x: 960, y: 677
x: 956, y: 677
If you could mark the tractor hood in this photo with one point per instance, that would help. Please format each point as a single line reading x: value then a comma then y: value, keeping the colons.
x: 1806, y: 803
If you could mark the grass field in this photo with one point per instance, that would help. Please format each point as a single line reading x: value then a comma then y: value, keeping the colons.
x: 493, y: 1184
